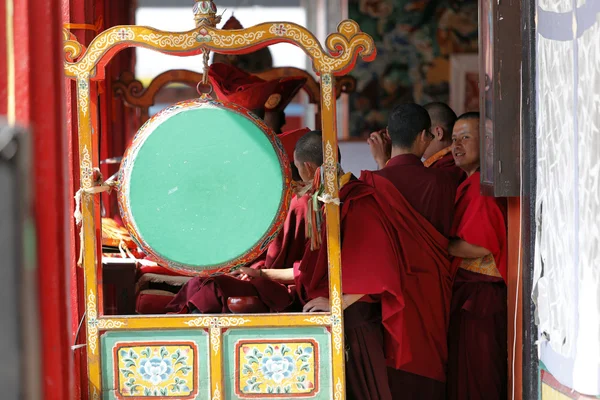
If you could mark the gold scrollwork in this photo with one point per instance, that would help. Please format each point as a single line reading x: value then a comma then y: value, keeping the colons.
x: 83, y: 94
x: 216, y: 393
x: 235, y: 39
x: 324, y: 320
x: 338, y: 390
x: 185, y: 41
x: 87, y: 171
x: 215, y: 338
x: 98, y: 47
x: 220, y: 322
x: 330, y: 168
x: 327, y: 90
x: 71, y: 46
x: 336, y: 319
x: 342, y: 47
x: 91, y: 316
x: 215, y: 324
x: 110, y: 324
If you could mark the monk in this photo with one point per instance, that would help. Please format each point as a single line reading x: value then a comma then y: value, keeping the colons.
x: 420, y: 204
x: 477, y: 337
x: 209, y: 295
x: 438, y: 154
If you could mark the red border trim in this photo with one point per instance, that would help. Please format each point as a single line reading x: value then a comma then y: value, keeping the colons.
x: 237, y: 382
x: 120, y: 345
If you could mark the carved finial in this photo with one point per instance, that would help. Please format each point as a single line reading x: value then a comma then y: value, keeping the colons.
x: 205, y: 13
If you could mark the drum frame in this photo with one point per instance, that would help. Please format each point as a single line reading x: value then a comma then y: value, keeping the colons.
x: 87, y: 67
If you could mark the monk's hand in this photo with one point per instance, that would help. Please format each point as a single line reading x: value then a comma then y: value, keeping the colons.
x: 381, y: 147
x: 316, y: 305
x: 245, y: 273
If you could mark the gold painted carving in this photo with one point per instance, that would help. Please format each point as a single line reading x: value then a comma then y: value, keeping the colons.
x: 94, y: 324
x: 336, y: 319
x: 338, y: 390
x: 216, y: 393
x: 87, y: 171
x: 321, y: 320
x: 343, y: 47
x: 215, y: 324
x: 330, y: 168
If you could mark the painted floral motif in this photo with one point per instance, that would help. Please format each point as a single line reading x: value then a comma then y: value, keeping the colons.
x: 163, y: 370
x: 280, y: 30
x: 275, y: 368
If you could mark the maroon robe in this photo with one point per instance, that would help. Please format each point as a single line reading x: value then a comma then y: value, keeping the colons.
x: 426, y: 277
x: 427, y: 190
x: 394, y: 255
x: 209, y: 295
x: 477, y: 337
x: 373, y: 273
x: 288, y: 247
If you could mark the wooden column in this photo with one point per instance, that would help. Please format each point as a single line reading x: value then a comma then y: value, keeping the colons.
x: 39, y: 105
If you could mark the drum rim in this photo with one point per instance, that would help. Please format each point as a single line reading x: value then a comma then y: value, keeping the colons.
x: 257, y: 248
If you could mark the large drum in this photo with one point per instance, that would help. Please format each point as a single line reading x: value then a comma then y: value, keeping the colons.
x: 204, y: 187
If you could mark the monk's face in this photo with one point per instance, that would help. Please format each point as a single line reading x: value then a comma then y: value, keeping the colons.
x: 465, y: 144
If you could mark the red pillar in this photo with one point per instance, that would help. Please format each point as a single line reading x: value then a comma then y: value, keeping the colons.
x: 40, y: 106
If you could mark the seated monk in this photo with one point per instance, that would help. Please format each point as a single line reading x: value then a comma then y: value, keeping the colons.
x: 209, y: 295
x: 477, y: 337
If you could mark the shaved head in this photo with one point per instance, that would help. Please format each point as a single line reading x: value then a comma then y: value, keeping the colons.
x: 442, y: 115
x: 309, y: 148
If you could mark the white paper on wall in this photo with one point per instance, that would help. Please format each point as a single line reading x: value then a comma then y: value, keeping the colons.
x: 555, y: 255
x: 586, y: 371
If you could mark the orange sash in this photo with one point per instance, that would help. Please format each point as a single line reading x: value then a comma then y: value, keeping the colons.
x: 437, y: 156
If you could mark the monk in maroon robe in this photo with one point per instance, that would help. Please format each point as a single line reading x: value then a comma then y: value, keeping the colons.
x: 477, y: 337
x: 262, y: 278
x: 426, y: 193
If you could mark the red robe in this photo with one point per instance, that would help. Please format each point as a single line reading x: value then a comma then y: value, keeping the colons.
x: 477, y: 336
x: 209, y: 295
x: 393, y: 254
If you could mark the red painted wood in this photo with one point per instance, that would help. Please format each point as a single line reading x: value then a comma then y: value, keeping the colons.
x: 3, y: 66
x: 39, y: 90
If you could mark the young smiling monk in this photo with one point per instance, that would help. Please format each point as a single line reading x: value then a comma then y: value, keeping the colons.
x: 477, y: 359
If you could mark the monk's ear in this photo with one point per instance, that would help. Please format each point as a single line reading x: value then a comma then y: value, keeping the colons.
x: 438, y: 133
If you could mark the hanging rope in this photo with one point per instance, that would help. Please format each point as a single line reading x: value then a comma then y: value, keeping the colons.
x: 105, y: 187
x: 206, y: 57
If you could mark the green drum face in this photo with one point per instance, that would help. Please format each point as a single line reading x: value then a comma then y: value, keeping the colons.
x: 205, y: 186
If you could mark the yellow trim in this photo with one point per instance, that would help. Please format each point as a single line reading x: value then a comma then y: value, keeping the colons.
x: 334, y: 254
x: 11, y: 104
x: 206, y: 321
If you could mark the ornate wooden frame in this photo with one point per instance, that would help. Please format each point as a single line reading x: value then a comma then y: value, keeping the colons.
x: 87, y: 68
x: 136, y: 96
